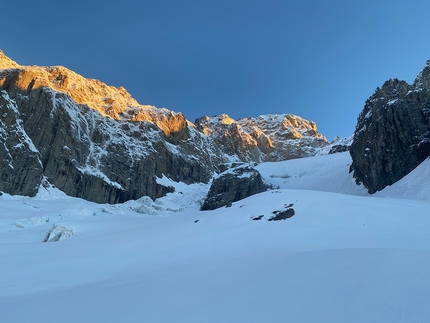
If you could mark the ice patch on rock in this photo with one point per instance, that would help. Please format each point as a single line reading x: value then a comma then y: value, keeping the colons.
x: 58, y: 233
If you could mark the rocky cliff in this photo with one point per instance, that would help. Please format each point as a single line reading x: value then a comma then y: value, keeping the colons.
x: 392, y: 136
x: 264, y: 138
x: 96, y: 142
x: 92, y: 140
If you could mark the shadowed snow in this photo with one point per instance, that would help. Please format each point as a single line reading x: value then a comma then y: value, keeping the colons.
x: 345, y: 256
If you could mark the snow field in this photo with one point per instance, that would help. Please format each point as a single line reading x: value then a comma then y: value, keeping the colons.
x: 341, y: 258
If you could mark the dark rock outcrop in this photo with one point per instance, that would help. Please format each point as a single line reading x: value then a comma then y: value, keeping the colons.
x: 339, y: 145
x: 338, y: 149
x: 282, y: 215
x: 392, y: 136
x: 233, y: 185
x: 277, y: 215
x: 257, y: 218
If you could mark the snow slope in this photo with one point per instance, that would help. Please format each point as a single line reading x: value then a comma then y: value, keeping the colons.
x: 416, y: 185
x: 340, y: 258
x: 328, y: 173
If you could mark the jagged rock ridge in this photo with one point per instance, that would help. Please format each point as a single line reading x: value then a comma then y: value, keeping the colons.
x: 392, y: 136
x: 264, y: 138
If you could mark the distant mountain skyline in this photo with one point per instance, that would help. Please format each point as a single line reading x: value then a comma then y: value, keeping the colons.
x: 318, y: 60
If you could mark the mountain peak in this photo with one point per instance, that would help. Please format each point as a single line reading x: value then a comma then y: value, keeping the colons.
x: 6, y: 62
x: 422, y: 80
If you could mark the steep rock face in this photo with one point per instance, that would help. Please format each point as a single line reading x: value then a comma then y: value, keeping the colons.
x: 91, y: 140
x: 21, y: 169
x: 392, y: 136
x: 264, y: 138
x: 236, y: 183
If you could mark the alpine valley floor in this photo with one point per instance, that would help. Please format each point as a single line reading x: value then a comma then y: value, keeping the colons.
x: 345, y: 256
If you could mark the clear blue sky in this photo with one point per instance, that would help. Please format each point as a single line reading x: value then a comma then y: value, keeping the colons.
x: 317, y: 59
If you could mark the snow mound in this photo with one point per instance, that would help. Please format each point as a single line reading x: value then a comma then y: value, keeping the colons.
x: 31, y: 222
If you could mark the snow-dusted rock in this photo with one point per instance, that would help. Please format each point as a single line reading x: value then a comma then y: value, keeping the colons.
x: 264, y: 138
x: 236, y: 183
x: 21, y: 169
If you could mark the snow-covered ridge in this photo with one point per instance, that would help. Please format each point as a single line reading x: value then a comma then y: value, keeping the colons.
x: 288, y: 125
x: 264, y: 138
x: 115, y: 102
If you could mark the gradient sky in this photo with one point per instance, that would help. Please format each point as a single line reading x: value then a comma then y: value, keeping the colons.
x: 317, y: 59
